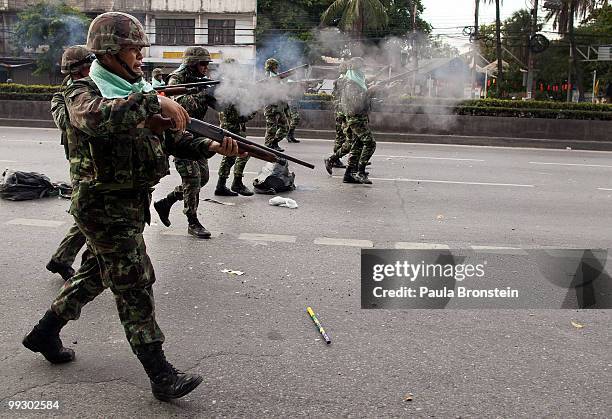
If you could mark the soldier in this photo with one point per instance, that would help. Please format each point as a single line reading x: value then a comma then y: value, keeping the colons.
x: 294, y: 121
x: 275, y: 114
x: 194, y: 173
x: 112, y: 114
x: 355, y: 101
x: 344, y: 142
x: 158, y: 78
x: 231, y: 120
x: 76, y: 62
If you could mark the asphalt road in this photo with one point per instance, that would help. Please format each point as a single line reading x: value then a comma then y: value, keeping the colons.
x: 249, y: 335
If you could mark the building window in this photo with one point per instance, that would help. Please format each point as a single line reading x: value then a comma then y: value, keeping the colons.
x: 175, y: 31
x: 221, y: 32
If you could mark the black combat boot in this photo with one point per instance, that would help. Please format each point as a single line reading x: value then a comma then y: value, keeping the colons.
x: 363, y: 175
x: 196, y: 229
x: 330, y: 163
x: 44, y: 338
x: 238, y: 187
x: 64, y: 270
x: 222, y: 190
x: 291, y: 136
x: 350, y: 176
x: 163, y: 207
x: 167, y: 382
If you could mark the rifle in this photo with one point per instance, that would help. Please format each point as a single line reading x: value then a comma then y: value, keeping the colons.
x: 397, y: 77
x: 285, y: 74
x: 186, y: 88
x: 159, y: 124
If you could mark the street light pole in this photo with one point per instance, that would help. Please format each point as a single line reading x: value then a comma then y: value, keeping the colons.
x: 475, y: 47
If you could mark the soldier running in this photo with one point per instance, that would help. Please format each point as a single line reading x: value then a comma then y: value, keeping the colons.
x: 194, y: 173
x: 123, y: 156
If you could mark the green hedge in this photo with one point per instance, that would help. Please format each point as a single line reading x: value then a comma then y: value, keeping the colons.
x: 533, y: 113
x: 28, y: 88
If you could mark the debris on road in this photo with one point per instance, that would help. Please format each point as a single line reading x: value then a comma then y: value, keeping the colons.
x: 317, y: 323
x: 232, y: 272
x: 279, y: 201
x: 214, y: 201
x: 408, y: 397
x: 577, y: 325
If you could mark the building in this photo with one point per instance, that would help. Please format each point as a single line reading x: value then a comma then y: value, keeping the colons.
x: 225, y: 27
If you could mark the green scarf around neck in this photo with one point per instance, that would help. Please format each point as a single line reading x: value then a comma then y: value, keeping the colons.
x: 358, y: 77
x: 112, y: 86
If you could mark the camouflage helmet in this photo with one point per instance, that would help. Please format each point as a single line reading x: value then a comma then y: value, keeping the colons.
x: 194, y: 55
x: 111, y: 31
x: 356, y: 63
x: 270, y: 63
x: 74, y: 58
x: 157, y: 72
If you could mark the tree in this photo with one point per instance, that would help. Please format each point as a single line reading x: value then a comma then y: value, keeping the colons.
x: 357, y: 16
x: 50, y: 27
x: 563, y: 15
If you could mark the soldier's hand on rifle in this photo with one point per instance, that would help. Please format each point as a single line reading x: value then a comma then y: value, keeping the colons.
x: 229, y: 147
x: 174, y: 111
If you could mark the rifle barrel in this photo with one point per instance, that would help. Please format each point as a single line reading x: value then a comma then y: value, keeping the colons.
x: 201, y: 127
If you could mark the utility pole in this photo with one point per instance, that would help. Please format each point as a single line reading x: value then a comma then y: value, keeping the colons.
x: 415, y: 45
x: 531, y: 59
x: 475, y: 46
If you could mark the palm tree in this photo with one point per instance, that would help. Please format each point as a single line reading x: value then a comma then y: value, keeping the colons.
x: 563, y: 13
x: 357, y: 16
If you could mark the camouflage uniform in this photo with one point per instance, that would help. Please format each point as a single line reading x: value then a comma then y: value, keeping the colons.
x: 111, y: 206
x: 231, y: 120
x: 277, y: 125
x: 194, y: 173
x: 355, y: 103
x: 73, y: 60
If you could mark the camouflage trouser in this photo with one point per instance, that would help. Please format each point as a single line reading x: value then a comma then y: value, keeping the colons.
x: 363, y: 142
x: 276, y: 124
x: 294, y: 116
x: 194, y: 176
x: 69, y: 247
x: 116, y: 258
x: 228, y: 162
x: 344, y: 136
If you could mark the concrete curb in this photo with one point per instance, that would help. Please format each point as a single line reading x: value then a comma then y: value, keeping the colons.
x: 396, y: 137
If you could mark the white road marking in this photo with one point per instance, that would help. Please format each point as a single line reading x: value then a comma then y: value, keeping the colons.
x: 8, y: 161
x: 604, y: 189
x: 452, y: 182
x: 427, y: 158
x: 571, y: 164
x: 183, y: 232
x: 267, y: 237
x: 327, y: 241
x: 35, y: 222
x: 420, y: 246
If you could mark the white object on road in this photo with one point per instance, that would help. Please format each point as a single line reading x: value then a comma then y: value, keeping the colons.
x: 283, y: 202
x: 232, y: 272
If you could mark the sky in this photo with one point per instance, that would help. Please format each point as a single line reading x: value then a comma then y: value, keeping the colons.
x: 446, y: 15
